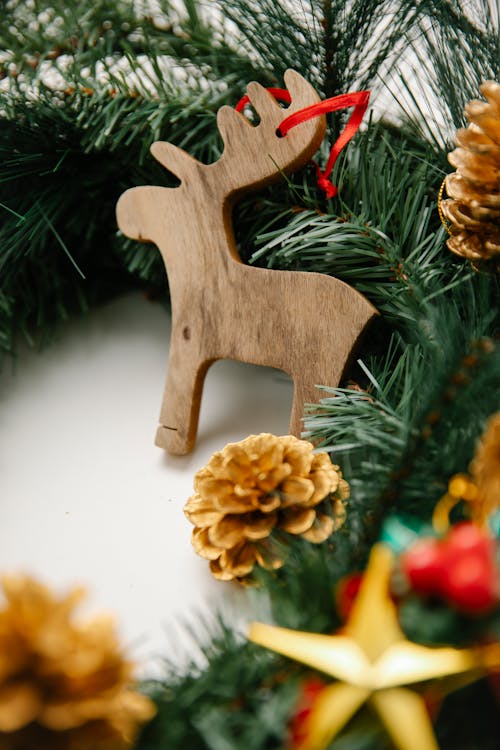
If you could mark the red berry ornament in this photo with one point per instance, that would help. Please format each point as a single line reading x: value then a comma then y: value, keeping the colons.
x: 460, y: 568
x: 422, y: 566
x: 469, y: 576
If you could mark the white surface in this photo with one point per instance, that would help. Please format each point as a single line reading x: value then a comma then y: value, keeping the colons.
x: 87, y: 498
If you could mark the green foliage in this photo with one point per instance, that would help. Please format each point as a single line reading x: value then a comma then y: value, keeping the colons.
x: 384, y: 240
x: 457, y: 48
x: 240, y: 697
x: 64, y: 164
x: 40, y: 30
x: 110, y: 79
x: 383, y: 234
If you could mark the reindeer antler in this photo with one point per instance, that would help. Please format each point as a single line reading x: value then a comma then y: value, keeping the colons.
x: 265, y: 151
x: 254, y: 155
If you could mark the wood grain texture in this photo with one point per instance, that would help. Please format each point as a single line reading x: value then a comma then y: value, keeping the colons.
x: 306, y: 324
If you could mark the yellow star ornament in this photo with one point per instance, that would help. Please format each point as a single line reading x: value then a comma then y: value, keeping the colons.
x: 372, y: 662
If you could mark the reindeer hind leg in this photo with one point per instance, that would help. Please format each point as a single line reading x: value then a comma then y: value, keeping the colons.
x: 303, y: 393
x: 306, y: 390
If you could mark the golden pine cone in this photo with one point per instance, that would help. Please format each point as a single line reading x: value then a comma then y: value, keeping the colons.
x: 251, y: 491
x: 485, y: 470
x: 473, y: 206
x: 63, y: 686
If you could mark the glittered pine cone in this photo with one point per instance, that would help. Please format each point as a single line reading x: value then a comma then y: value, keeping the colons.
x: 63, y: 686
x: 253, y: 493
x: 485, y: 470
x: 473, y: 206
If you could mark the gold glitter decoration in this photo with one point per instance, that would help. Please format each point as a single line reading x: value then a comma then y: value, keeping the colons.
x: 255, y: 488
x: 481, y: 489
x: 63, y: 686
x: 485, y: 470
x: 373, y: 662
x: 472, y: 210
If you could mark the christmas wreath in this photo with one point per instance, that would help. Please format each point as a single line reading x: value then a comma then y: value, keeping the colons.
x: 374, y: 538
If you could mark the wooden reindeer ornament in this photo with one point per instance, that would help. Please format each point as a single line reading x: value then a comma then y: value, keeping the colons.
x: 305, y: 324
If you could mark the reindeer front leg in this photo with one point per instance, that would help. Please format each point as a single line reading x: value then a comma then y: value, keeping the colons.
x: 305, y: 391
x: 302, y: 394
x: 346, y: 314
x: 182, y: 396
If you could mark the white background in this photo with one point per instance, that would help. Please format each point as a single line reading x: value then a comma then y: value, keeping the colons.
x: 86, y: 496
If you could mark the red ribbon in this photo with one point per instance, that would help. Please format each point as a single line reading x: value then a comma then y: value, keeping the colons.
x: 282, y: 94
x: 357, y: 99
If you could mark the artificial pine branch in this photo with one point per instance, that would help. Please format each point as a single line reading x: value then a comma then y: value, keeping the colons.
x: 382, y: 236
x: 60, y: 249
x: 110, y: 100
x: 454, y: 47
x: 241, y: 697
x: 416, y: 422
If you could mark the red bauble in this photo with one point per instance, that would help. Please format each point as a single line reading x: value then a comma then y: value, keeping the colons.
x: 460, y: 568
x: 422, y: 566
x: 469, y: 575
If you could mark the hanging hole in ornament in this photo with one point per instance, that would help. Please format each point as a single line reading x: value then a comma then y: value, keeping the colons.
x: 251, y: 114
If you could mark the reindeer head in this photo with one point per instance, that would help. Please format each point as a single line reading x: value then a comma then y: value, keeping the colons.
x: 253, y: 156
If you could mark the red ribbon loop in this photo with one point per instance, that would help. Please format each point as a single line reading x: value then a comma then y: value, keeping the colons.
x: 283, y: 95
x: 324, y: 183
x: 357, y: 99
